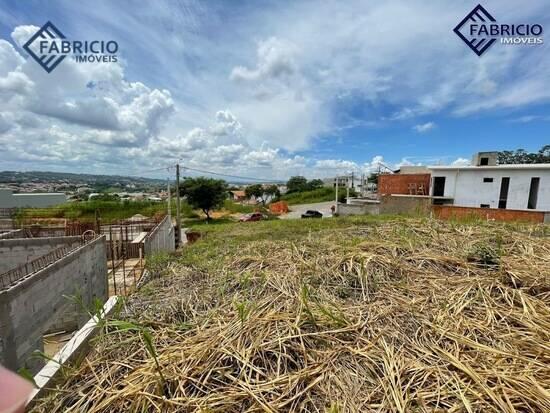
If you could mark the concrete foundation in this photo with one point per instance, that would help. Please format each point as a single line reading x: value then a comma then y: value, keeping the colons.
x: 37, y: 304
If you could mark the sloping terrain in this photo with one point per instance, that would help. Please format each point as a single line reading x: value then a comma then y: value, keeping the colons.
x: 342, y: 315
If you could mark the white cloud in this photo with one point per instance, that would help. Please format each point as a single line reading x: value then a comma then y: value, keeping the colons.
x: 529, y: 118
x: 424, y: 127
x: 249, y: 101
x: 21, y: 34
x: 461, y: 162
x: 96, y: 97
x: 275, y: 61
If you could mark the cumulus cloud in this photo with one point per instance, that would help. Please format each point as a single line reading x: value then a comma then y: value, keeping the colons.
x: 5, y: 125
x: 461, y: 162
x: 275, y: 61
x: 21, y: 34
x: 257, y: 101
x: 112, y: 110
x: 424, y: 127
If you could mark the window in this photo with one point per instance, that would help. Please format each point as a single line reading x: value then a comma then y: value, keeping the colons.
x: 484, y: 161
x: 533, y: 193
x: 484, y: 206
x: 487, y: 179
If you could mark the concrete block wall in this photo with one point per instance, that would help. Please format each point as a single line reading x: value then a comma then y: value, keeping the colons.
x: 16, y: 252
x: 358, y: 209
x: 6, y: 224
x: 15, y: 233
x: 161, y: 238
x: 405, y: 205
x: 37, y: 303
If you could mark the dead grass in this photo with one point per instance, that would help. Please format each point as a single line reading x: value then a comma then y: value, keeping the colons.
x: 398, y: 316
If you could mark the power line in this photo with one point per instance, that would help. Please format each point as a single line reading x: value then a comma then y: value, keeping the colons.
x: 231, y: 176
x: 140, y: 174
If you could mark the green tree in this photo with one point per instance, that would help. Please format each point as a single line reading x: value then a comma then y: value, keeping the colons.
x: 256, y: 191
x: 522, y: 156
x: 314, y: 184
x: 204, y: 193
x: 273, y: 191
x: 342, y: 196
x: 106, y: 197
x: 373, y: 178
x: 296, y: 184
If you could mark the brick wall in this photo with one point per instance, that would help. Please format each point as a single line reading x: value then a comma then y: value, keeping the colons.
x: 399, y: 183
x: 454, y: 212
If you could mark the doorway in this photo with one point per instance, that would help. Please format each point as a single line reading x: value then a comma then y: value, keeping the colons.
x: 439, y: 186
x: 503, y: 198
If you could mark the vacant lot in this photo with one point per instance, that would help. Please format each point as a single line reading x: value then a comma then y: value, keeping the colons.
x: 340, y: 315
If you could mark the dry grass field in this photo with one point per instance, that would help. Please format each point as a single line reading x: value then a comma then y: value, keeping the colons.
x: 340, y: 315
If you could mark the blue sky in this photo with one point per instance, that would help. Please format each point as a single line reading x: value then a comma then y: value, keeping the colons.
x: 269, y: 89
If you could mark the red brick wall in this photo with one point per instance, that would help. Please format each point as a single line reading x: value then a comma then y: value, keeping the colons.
x: 399, y: 184
x: 450, y: 212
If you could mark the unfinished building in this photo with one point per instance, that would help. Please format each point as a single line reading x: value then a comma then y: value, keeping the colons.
x: 46, y: 285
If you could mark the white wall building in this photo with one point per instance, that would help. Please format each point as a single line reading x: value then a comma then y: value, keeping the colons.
x: 523, y: 187
x: 32, y: 200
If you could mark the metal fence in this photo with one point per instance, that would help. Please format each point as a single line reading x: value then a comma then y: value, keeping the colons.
x: 11, y: 277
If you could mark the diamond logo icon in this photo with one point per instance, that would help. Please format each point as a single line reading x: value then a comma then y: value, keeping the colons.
x: 478, y: 16
x: 35, y: 45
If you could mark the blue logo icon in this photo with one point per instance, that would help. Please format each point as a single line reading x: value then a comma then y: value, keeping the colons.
x: 478, y: 42
x: 48, y: 59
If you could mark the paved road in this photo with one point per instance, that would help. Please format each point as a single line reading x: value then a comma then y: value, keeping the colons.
x: 298, y: 210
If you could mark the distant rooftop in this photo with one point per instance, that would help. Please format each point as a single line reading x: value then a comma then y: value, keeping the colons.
x: 508, y: 166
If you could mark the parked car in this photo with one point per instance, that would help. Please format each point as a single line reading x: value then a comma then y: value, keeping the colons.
x: 255, y: 216
x: 312, y: 214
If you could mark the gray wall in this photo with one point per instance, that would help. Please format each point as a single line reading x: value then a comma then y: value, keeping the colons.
x: 358, y: 209
x: 15, y: 233
x: 33, y: 200
x: 16, y: 252
x: 37, y: 305
x: 161, y: 238
x: 415, y: 205
x: 6, y: 224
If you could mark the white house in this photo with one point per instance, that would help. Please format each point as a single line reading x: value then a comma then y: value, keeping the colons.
x: 487, y: 185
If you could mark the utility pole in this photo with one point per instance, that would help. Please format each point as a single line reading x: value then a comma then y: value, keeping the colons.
x: 178, y: 220
x: 169, y: 202
x: 337, y: 183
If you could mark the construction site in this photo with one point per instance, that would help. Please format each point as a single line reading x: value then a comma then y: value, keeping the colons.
x: 53, y: 272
